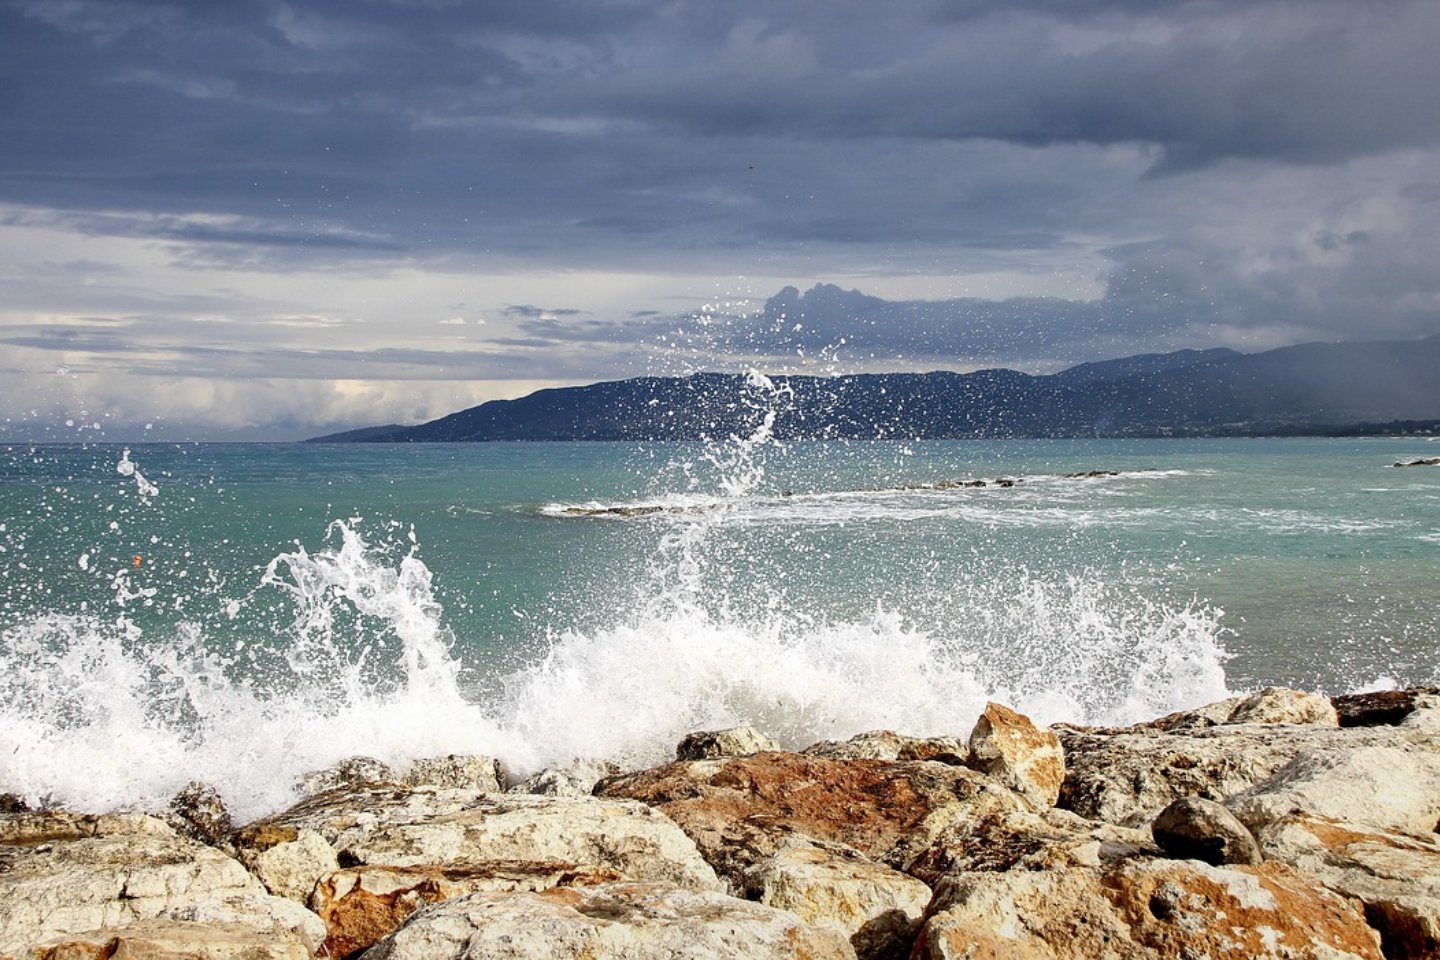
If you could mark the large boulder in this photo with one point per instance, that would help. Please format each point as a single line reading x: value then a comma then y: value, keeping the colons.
x: 458, y: 771
x: 731, y: 742
x: 1129, y: 775
x: 629, y: 921
x: 574, y: 779
x: 1193, y: 828
x: 86, y: 879
x: 402, y: 848
x: 889, y: 745
x: 1026, y: 758
x: 742, y: 810
x: 1026, y: 840
x: 1284, y: 705
x: 878, y: 909
x: 1393, y: 785
x: 289, y: 861
x: 1145, y: 910
x: 1396, y: 876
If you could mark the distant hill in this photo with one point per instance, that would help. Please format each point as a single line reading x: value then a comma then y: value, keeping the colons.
x: 1307, y: 389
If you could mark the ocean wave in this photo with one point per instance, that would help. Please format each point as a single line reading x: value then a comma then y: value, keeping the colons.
x: 97, y: 714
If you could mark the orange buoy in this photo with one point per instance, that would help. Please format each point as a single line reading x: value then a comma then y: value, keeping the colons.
x: 136, y: 561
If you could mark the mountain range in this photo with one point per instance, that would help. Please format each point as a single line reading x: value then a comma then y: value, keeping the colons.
x: 1312, y: 388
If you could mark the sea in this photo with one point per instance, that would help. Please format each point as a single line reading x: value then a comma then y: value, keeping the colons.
x: 240, y: 614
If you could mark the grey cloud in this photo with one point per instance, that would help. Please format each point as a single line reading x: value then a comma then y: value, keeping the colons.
x: 531, y: 312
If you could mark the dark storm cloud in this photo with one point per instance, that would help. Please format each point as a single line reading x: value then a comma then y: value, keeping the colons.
x: 442, y: 125
x: 1213, y: 168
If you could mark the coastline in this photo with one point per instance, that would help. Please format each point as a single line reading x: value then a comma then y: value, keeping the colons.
x: 1281, y: 824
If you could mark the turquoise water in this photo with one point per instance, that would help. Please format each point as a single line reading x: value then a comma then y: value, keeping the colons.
x: 294, y: 604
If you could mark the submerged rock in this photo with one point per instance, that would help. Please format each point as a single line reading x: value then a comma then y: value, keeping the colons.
x: 1146, y: 910
x: 1193, y: 828
x: 1024, y: 757
x: 714, y: 744
x: 633, y: 921
x: 742, y: 810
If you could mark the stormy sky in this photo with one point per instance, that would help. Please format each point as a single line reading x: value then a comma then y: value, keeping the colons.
x: 275, y: 219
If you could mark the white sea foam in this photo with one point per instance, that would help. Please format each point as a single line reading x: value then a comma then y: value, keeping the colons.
x: 109, y: 710
x: 97, y: 715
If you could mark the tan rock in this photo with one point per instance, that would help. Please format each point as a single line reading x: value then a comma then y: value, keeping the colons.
x: 1025, y: 840
x: 64, y: 875
x: 175, y: 940
x: 404, y: 847
x: 1425, y: 718
x: 360, y: 905
x: 1396, y: 876
x: 1393, y: 786
x: 586, y: 834
x: 350, y: 772
x: 574, y: 779
x: 733, y: 742
x: 888, y: 745
x: 878, y: 909
x: 1027, y: 758
x: 1210, y: 715
x: 1145, y: 910
x: 615, y: 921
x: 740, y: 811
x: 1283, y: 705
x: 483, y: 774
x: 290, y: 867
x: 1128, y: 776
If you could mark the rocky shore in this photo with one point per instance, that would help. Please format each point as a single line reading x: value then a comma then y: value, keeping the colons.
x: 1282, y: 824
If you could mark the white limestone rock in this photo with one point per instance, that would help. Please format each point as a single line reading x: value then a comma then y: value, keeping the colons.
x: 878, y: 909
x: 627, y: 921
x: 65, y: 875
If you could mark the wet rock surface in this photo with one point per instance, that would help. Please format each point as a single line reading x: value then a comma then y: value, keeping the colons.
x: 714, y: 744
